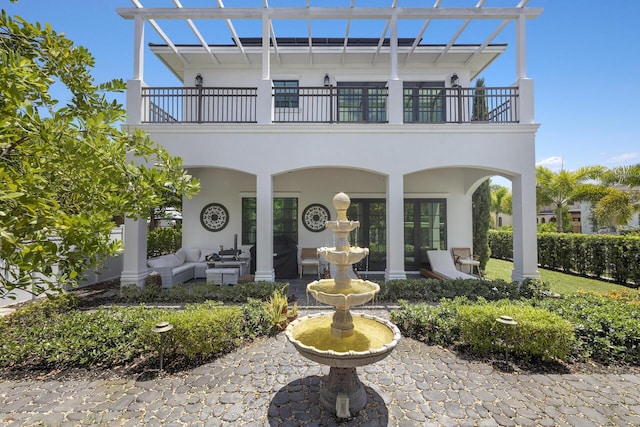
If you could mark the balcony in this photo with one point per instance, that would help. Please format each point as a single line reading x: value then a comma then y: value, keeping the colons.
x: 342, y: 104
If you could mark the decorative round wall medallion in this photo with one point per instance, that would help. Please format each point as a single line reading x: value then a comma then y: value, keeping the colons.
x: 214, y: 217
x: 314, y: 216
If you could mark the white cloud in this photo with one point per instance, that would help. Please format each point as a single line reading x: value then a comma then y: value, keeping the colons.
x: 623, y: 158
x: 553, y: 163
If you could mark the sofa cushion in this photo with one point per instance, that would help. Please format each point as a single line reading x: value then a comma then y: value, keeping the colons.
x: 191, y: 254
x: 204, y: 253
x: 181, y: 255
x: 173, y: 261
x: 157, y: 262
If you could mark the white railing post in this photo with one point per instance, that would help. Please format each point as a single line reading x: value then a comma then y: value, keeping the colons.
x: 526, y: 101
x: 134, y: 102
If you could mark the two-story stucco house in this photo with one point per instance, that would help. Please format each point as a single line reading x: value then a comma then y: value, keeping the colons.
x: 274, y: 126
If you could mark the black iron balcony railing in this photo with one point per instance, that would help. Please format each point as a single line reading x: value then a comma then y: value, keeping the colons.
x: 199, y: 105
x: 353, y: 104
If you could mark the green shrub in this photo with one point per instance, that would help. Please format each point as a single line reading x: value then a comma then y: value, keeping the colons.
x: 539, y: 334
x: 104, y: 337
x: 201, y: 331
x: 602, y: 256
x: 201, y: 292
x: 431, y: 290
x: 162, y: 241
x: 49, y: 335
x: 427, y: 323
x: 607, y: 329
x: 255, y: 320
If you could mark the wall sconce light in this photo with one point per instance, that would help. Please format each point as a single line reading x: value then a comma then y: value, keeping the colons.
x: 454, y: 80
x: 327, y: 80
x: 199, y: 80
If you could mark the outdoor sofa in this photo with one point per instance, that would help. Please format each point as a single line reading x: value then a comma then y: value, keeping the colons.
x: 184, y: 265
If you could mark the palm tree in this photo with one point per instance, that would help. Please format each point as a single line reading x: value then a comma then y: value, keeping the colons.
x: 560, y: 189
x: 621, y: 198
x: 498, y: 196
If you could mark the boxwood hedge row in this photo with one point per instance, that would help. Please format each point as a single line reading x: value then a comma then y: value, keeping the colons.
x: 601, y: 256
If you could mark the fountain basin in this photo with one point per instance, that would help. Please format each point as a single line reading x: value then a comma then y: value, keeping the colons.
x: 344, y: 257
x: 357, y: 292
x: 373, y: 340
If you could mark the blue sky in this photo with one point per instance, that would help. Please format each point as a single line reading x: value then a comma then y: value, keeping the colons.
x: 582, y: 56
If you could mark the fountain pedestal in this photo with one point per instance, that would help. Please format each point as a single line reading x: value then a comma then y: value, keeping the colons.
x: 343, y: 383
x: 343, y: 340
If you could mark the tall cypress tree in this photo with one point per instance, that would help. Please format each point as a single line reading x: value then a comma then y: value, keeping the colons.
x: 481, y: 205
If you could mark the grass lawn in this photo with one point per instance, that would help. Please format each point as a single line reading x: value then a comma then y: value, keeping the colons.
x: 559, y: 282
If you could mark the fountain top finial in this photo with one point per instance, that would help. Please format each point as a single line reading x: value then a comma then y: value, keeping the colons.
x: 341, y: 202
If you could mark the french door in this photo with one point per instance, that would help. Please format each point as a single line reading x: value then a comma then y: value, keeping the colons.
x: 425, y: 228
x: 372, y: 234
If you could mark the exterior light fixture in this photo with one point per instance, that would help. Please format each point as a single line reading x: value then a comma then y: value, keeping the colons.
x: 508, y: 323
x: 161, y: 329
x: 327, y: 80
x: 454, y: 80
x: 199, y: 80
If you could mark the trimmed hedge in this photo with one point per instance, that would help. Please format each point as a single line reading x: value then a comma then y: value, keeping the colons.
x: 53, y: 334
x: 591, y: 255
x: 539, y: 333
x: 432, y: 290
x: 607, y: 327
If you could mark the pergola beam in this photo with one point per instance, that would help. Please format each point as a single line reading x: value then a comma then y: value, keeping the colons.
x: 273, y: 34
x: 384, y: 33
x: 346, y: 35
x: 416, y: 41
x: 457, y: 34
x: 203, y: 42
x: 161, y: 33
x: 330, y: 13
x: 234, y: 34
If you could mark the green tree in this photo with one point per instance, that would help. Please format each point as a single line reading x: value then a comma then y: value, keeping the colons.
x: 620, y: 198
x: 481, y: 205
x: 480, y: 109
x: 66, y: 169
x: 559, y: 189
x: 499, y: 196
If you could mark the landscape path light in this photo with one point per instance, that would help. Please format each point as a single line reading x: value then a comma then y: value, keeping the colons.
x: 161, y: 329
x: 508, y: 323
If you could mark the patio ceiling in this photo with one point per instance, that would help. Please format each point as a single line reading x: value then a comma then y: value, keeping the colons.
x: 324, y: 20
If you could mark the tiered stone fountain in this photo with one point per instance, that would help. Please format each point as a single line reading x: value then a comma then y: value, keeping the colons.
x: 343, y: 340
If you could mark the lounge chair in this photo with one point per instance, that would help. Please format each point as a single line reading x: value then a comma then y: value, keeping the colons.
x: 466, y: 261
x: 442, y: 265
x: 309, y: 258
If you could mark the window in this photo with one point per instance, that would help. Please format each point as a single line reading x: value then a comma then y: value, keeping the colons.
x: 248, y: 220
x: 285, y: 218
x: 286, y: 93
x: 423, y: 102
x: 362, y: 102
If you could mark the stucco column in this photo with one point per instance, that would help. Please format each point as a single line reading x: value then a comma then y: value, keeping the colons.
x: 264, y: 228
x: 396, y: 108
x: 525, y: 245
x: 134, y: 101
x: 264, y: 105
x: 395, y: 228
x: 526, y: 101
x: 134, y: 263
